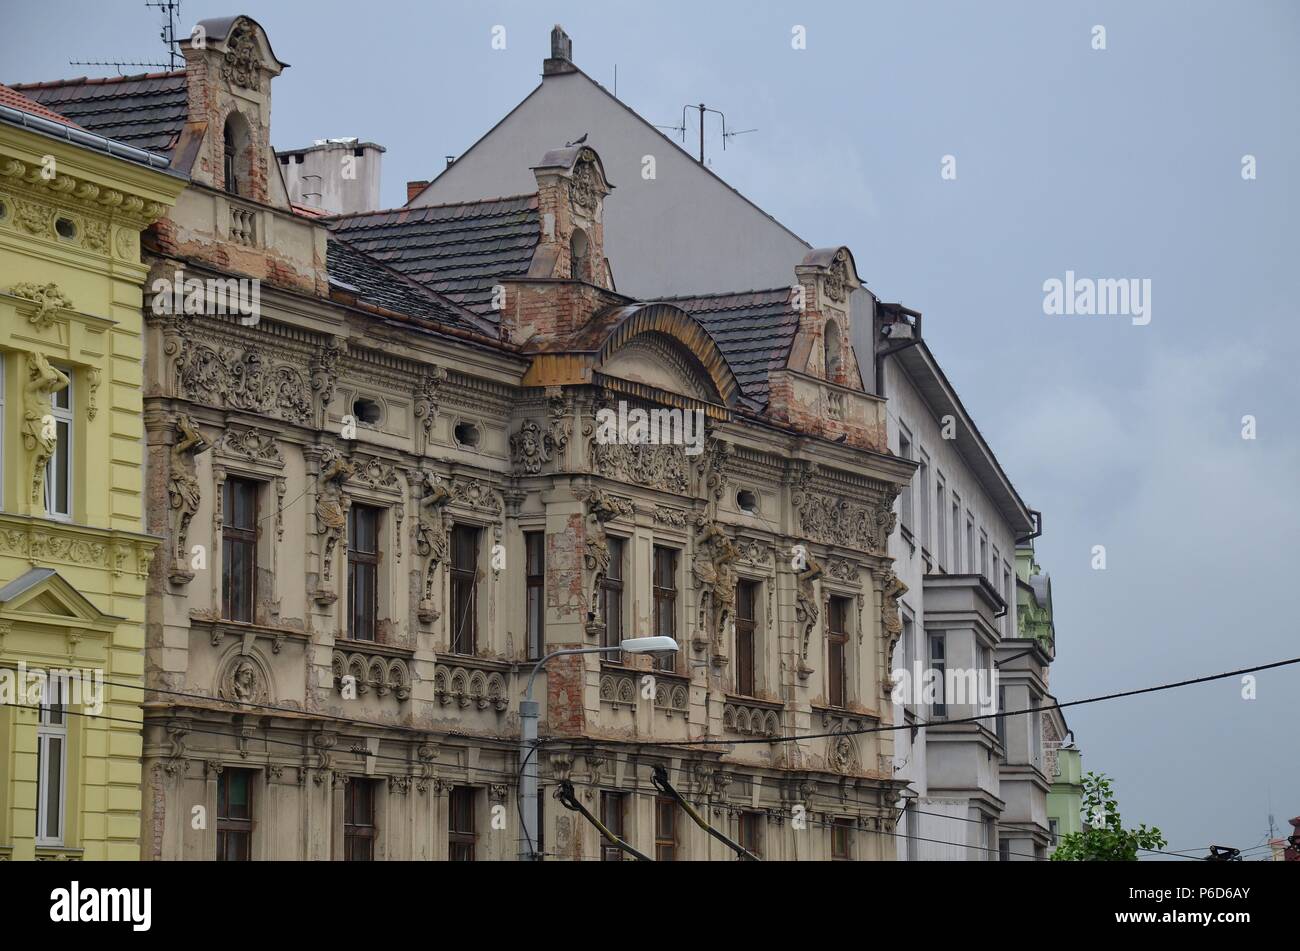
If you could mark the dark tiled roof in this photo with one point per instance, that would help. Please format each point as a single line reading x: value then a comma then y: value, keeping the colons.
x: 147, y: 111
x: 16, y: 100
x: 458, y: 250
x: 754, y: 330
x: 371, y: 282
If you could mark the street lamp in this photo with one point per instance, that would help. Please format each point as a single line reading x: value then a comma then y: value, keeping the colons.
x: 528, y: 709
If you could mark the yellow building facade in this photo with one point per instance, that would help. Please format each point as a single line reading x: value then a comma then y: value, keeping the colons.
x: 74, y: 558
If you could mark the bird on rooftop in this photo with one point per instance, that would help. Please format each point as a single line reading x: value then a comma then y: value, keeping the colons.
x: 577, y: 141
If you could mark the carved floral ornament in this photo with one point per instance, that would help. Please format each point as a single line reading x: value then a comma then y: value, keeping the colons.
x: 236, y: 377
x: 835, y: 520
x: 48, y: 298
x: 242, y: 61
x: 837, y: 277
x: 585, y: 187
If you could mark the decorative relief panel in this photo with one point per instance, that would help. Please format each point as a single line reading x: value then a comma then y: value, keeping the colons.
x: 750, y: 720
x: 835, y: 520
x: 464, y: 687
x: 250, y: 445
x: 240, y: 378
x: 48, y: 298
x: 384, y: 675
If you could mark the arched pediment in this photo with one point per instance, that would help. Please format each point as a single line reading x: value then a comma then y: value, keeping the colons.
x: 661, y: 345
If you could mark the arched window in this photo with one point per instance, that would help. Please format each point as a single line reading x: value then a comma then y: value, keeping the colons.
x: 236, y: 154
x: 833, y: 348
x: 579, y: 256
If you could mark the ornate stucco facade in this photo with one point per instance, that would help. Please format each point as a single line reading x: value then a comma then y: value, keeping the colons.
x: 74, y: 555
x: 363, y: 485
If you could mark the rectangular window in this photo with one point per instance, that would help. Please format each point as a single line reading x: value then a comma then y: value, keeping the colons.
x: 956, y: 535
x: 905, y: 497
x: 464, y: 589
x: 535, y: 592
x: 937, y: 663
x: 665, y: 601
x: 751, y: 832
x: 972, y: 565
x: 238, y: 549
x: 837, y: 640
x: 461, y: 837
x: 941, y: 528
x: 359, y: 820
x: 58, y: 472
x: 665, y: 829
x: 842, y: 839
x: 51, y: 763
x: 612, y: 806
x: 1054, y: 831
x: 363, y: 571
x: 1002, y: 716
x: 746, y: 661
x: 234, y: 815
x: 1007, y: 596
x: 1004, y: 850
x: 923, y: 497
x: 909, y: 663
x: 984, y: 556
x: 611, y: 599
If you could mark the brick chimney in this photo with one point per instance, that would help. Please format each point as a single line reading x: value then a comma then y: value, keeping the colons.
x: 561, y: 58
x: 414, y: 188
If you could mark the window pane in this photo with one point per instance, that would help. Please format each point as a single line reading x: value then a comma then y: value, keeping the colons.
x: 53, y: 787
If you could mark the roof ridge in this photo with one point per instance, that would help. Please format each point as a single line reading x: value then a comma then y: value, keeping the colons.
x: 97, y: 81
x: 754, y: 290
x: 421, y: 208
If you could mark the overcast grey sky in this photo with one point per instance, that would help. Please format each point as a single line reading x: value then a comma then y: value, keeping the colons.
x: 1117, y: 163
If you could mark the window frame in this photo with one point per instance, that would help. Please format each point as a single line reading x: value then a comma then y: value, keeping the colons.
x: 612, y: 588
x: 613, y: 816
x: 837, y: 646
x: 665, y: 601
x: 233, y: 536
x: 364, y: 626
x: 52, y: 727
x: 462, y: 843
x: 906, y: 449
x: 939, y: 664
x: 535, y: 594
x: 460, y: 576
x: 360, y: 833
x: 941, y: 520
x: 841, y: 852
x: 231, y: 826
x: 746, y: 634
x: 665, y: 832
x: 749, y: 831
x: 64, y: 455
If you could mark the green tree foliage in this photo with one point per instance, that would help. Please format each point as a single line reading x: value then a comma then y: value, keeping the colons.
x: 1104, y: 838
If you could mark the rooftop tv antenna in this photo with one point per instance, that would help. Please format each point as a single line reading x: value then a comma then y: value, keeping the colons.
x: 168, y: 35
x: 702, y: 108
